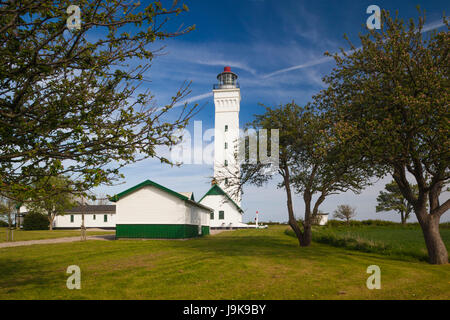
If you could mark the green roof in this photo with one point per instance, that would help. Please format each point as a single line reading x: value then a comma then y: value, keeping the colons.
x: 160, y: 187
x: 217, y: 191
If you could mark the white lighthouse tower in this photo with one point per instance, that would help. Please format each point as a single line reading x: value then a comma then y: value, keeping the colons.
x: 223, y: 197
x: 227, y: 99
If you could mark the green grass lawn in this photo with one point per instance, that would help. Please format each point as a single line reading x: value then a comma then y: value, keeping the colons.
x: 23, y: 235
x: 396, y: 241
x: 242, y: 264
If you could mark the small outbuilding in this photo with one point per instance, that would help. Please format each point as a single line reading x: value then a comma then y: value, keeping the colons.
x: 150, y: 210
x: 227, y: 214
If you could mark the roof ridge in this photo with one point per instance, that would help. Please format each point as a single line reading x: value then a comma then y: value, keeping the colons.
x: 149, y: 182
x: 223, y: 193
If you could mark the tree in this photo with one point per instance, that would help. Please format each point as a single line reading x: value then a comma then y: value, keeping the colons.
x: 58, y: 203
x: 7, y: 208
x: 71, y: 101
x: 393, y: 200
x: 345, y: 212
x: 390, y: 99
x: 310, y: 162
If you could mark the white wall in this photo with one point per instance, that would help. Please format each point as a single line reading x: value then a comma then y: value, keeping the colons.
x: 323, y: 220
x: 89, y: 222
x: 220, y: 203
x: 227, y: 106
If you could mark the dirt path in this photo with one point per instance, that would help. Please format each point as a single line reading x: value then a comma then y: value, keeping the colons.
x: 55, y: 240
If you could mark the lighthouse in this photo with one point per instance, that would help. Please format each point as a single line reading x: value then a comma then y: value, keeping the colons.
x: 227, y: 100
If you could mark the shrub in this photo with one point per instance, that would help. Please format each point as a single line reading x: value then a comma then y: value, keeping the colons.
x: 3, y: 224
x: 35, y: 221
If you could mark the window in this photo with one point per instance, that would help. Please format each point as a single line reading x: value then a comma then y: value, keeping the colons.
x: 226, y: 128
x: 226, y: 145
x: 226, y: 163
x: 93, y: 217
x: 105, y: 218
x: 221, y: 215
x: 226, y: 181
x: 71, y: 218
x: 211, y: 215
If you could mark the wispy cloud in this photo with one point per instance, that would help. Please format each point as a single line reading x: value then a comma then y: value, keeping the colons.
x: 429, y: 27
x: 432, y: 26
x: 300, y: 66
x: 194, y: 99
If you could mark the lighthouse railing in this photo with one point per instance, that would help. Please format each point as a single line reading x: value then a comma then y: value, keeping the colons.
x: 226, y: 86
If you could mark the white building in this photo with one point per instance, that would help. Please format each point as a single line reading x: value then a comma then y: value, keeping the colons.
x: 95, y: 216
x: 322, y: 218
x: 150, y: 210
x: 227, y: 213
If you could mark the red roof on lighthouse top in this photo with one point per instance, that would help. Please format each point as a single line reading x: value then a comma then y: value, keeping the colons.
x: 227, y: 69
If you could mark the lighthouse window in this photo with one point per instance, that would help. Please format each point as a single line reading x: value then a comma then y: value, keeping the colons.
x: 226, y: 163
x: 226, y: 181
x: 226, y: 145
x: 226, y: 128
x: 221, y: 215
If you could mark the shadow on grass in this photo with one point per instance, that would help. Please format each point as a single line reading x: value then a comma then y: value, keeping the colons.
x: 17, y: 273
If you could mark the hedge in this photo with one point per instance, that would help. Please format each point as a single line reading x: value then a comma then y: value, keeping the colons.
x: 35, y: 221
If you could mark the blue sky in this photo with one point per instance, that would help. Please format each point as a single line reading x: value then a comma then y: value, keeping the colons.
x: 276, y: 48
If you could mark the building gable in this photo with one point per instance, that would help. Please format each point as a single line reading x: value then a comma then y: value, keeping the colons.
x: 218, y: 191
x: 146, y: 183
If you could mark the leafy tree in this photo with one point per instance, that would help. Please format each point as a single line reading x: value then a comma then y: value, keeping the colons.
x: 389, y: 99
x: 393, y: 200
x: 58, y: 203
x: 71, y: 102
x: 310, y: 163
x: 345, y: 212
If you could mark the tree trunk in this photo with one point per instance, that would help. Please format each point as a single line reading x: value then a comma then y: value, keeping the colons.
x: 403, y: 217
x: 307, y: 235
x: 292, y: 222
x: 437, y: 252
x: 50, y: 220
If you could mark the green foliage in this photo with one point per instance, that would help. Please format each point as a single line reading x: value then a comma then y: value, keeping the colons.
x: 35, y: 221
x: 3, y: 224
x: 58, y: 199
x: 389, y: 100
x: 393, y: 200
x: 311, y: 162
x: 70, y: 101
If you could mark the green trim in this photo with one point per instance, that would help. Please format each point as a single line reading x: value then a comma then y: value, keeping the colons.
x: 205, y: 230
x: 144, y: 184
x: 118, y: 196
x: 217, y: 191
x: 159, y: 231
